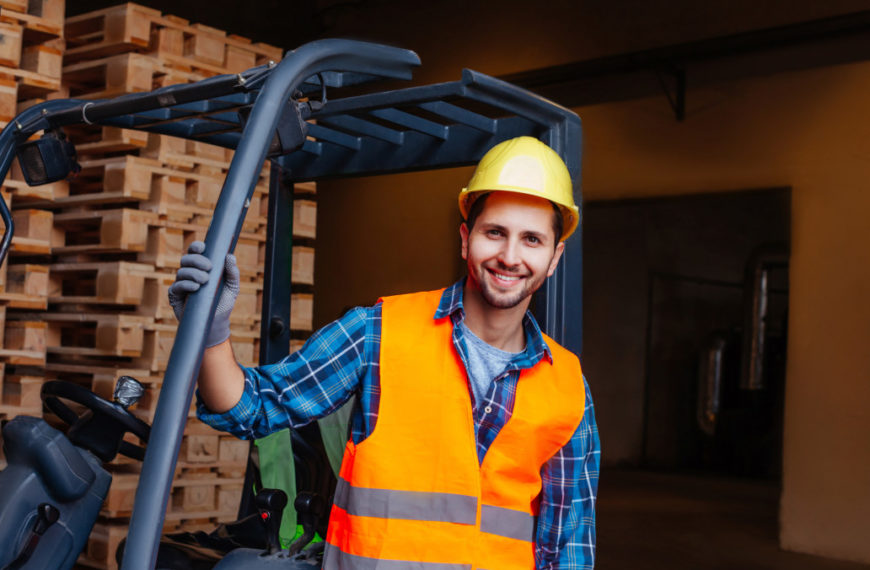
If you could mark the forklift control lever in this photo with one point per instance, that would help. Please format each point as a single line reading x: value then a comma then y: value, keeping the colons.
x: 310, y: 508
x: 46, y: 515
x: 270, y: 504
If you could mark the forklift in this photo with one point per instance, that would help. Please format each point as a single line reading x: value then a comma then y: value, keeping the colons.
x: 293, y: 114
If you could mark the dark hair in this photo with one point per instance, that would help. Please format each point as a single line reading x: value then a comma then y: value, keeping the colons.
x: 477, y: 207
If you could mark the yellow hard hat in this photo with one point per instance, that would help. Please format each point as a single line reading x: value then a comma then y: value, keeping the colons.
x: 527, y: 166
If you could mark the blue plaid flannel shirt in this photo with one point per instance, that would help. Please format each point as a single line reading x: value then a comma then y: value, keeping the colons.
x: 342, y: 359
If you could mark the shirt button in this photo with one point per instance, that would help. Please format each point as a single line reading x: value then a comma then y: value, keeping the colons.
x: 488, y: 409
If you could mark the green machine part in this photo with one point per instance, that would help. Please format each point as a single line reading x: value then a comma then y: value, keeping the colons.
x: 277, y: 470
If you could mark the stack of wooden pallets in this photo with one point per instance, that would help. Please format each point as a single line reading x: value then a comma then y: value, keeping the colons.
x: 31, y: 52
x: 93, y: 257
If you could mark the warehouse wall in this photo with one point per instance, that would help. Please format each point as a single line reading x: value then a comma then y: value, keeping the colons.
x: 804, y: 130
x: 385, y: 235
x: 808, y: 131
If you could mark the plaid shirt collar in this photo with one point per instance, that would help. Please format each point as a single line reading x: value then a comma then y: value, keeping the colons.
x: 536, y: 347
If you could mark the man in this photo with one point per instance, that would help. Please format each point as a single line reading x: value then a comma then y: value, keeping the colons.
x: 474, y: 444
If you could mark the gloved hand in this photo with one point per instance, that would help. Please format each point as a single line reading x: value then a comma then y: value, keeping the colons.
x: 194, y: 272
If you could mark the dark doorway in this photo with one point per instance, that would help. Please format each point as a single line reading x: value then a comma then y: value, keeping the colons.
x: 679, y: 292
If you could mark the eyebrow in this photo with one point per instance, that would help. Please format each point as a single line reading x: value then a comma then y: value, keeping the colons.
x: 492, y: 226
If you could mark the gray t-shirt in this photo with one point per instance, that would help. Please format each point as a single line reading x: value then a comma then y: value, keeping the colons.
x: 485, y: 362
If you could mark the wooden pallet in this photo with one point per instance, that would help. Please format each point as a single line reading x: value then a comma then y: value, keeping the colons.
x: 24, y: 286
x: 131, y: 27
x: 122, y: 74
x: 43, y: 59
x: 168, y: 241
x: 157, y: 347
x: 31, y: 55
x: 13, y: 6
x: 169, y: 199
x: 208, y: 496
x: 186, y: 154
x: 158, y: 339
x: 101, y: 231
x: 305, y: 218
x: 24, y: 195
x: 24, y: 342
x: 38, y: 75
x: 301, y: 311
x: 146, y: 181
x: 8, y: 99
x: 11, y: 36
x: 250, y: 255
x: 91, y: 141
x: 302, y: 271
x: 112, y: 283
x: 191, y: 198
x: 246, y: 345
x: 109, y: 181
x: 42, y: 19
x: 194, y: 491
x: 102, y: 544
x: 33, y: 230
x: 20, y: 394
x: 91, y: 334
x: 204, y: 451
x: 125, y: 230
x: 246, y: 311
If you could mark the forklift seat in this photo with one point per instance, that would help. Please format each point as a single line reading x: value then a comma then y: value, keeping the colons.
x: 52, y: 491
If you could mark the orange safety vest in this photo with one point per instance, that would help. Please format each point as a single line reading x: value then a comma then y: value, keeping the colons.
x: 412, y: 495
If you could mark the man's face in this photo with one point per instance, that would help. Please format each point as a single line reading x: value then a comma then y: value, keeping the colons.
x: 510, y: 250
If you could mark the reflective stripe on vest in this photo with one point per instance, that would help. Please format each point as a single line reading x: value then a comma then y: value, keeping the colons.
x: 410, y: 505
x: 507, y: 523
x: 442, y: 507
x: 412, y: 495
x: 335, y: 559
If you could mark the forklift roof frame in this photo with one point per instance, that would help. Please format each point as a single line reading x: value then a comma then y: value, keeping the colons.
x: 416, y: 128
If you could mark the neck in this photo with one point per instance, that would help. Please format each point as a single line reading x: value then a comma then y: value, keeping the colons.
x: 501, y: 328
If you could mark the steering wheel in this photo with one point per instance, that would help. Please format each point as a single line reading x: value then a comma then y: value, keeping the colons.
x: 116, y: 415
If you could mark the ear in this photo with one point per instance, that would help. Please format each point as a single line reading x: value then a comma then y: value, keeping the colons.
x: 557, y: 255
x: 463, y: 233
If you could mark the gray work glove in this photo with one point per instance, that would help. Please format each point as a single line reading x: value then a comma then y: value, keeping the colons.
x: 194, y: 272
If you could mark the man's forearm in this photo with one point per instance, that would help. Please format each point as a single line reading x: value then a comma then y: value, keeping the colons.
x: 221, y: 381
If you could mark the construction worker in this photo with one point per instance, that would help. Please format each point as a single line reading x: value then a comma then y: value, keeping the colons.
x: 474, y: 443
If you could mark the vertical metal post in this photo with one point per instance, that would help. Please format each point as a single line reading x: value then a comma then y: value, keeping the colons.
x: 275, y: 313
x: 559, y: 304
x: 275, y: 322
x: 6, y: 155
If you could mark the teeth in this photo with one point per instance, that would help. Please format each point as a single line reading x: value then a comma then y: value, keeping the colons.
x: 506, y: 277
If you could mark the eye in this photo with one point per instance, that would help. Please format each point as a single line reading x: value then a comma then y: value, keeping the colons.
x: 533, y: 240
x: 494, y: 233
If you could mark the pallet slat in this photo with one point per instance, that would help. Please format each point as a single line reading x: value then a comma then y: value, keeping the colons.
x: 131, y: 27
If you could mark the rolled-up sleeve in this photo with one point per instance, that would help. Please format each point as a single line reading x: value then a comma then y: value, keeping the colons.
x: 305, y: 386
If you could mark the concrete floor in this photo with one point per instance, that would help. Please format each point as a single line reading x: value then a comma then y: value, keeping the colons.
x: 653, y: 521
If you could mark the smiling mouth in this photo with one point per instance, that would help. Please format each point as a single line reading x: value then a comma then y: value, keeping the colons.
x: 505, y: 278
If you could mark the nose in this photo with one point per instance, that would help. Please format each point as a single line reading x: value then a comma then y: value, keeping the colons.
x: 510, y: 253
